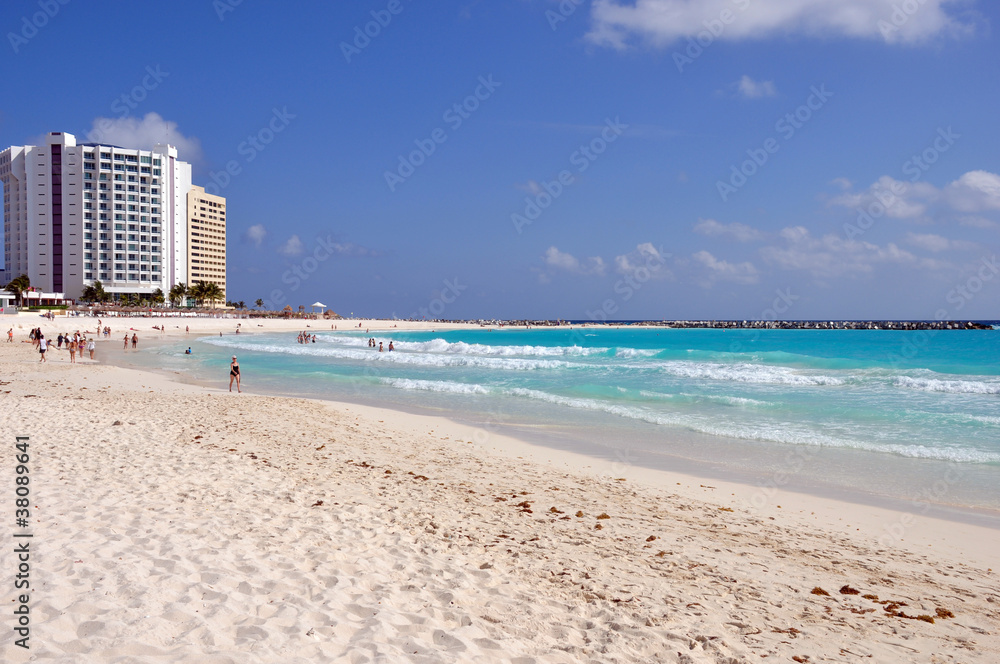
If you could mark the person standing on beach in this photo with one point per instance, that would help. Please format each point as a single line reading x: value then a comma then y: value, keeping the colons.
x: 234, y: 373
x: 10, y: 336
x: 125, y: 347
x: 135, y: 340
x: 42, y: 346
x: 72, y: 352
x: 91, y: 346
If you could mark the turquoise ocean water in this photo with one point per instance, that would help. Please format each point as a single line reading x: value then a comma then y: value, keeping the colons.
x: 908, y: 416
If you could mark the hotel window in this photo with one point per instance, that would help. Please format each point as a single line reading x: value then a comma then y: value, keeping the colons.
x: 88, y: 275
x: 119, y: 266
x: 119, y: 276
x: 133, y: 277
x: 119, y: 246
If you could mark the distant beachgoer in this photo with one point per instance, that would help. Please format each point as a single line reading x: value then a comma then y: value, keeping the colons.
x: 91, y: 346
x: 314, y: 338
x: 187, y: 328
x: 188, y: 351
x: 135, y: 340
x: 125, y: 347
x: 380, y: 346
x: 59, y: 340
x: 72, y: 352
x: 82, y: 345
x: 10, y: 336
x: 234, y: 373
x: 42, y: 347
x: 390, y: 347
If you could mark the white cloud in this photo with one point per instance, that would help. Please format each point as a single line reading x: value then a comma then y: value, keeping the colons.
x: 896, y: 199
x: 741, y: 273
x: 292, y: 247
x: 143, y: 134
x: 974, y: 221
x: 976, y: 191
x: 645, y: 257
x: 616, y: 23
x: 570, y: 263
x: 973, y: 192
x: 736, y: 231
x: 751, y: 89
x: 531, y: 186
x: 937, y: 243
x: 256, y: 234
x: 832, y: 255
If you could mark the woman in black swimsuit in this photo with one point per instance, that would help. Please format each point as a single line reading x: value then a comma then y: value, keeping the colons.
x: 234, y: 372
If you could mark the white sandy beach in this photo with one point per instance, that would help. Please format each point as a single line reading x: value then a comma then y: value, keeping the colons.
x: 178, y: 523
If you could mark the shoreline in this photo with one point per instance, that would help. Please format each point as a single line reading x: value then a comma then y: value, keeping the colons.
x: 594, y: 454
x: 325, y: 501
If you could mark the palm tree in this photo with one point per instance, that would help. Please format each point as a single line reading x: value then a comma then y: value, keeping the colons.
x: 178, y: 293
x: 157, y: 296
x: 197, y: 291
x: 212, y: 293
x: 241, y: 305
x: 18, y: 286
x: 259, y: 303
x: 94, y: 293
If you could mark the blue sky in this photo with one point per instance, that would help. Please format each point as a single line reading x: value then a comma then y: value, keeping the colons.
x: 606, y: 158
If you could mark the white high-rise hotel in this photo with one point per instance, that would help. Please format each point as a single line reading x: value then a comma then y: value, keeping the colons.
x: 78, y: 213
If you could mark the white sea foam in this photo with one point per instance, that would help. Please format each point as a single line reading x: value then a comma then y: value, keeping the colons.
x: 413, y: 359
x: 783, y: 433
x: 435, y: 385
x: 746, y: 373
x: 629, y: 353
x: 950, y: 386
x: 462, y: 348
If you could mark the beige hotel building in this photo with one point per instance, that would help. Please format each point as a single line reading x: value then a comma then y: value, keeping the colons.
x: 206, y: 235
